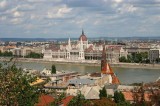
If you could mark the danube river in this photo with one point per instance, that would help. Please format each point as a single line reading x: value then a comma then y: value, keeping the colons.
x: 126, y: 75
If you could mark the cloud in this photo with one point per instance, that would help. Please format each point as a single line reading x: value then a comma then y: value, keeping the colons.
x: 3, y: 4
x: 58, y: 12
x: 17, y: 14
x: 126, y: 8
x: 16, y: 20
x: 55, y: 18
x: 118, y: 1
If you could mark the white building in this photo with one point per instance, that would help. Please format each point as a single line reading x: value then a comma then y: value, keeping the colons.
x: 82, y: 50
x: 69, y: 51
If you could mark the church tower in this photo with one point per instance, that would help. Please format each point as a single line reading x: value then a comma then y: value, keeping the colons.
x: 107, y: 70
x: 81, y: 50
x: 68, y: 49
x: 103, y: 59
x: 69, y: 44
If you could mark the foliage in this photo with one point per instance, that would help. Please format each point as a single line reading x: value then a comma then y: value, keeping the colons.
x: 139, y: 57
x: 129, y: 58
x: 155, y: 98
x: 102, y: 93
x: 122, y: 59
x: 120, y: 100
x: 135, y: 58
x: 136, y: 84
x: 158, y: 60
x: 15, y: 88
x: 103, y: 102
x: 123, y: 104
x: 34, y: 55
x: 119, y: 97
x: 6, y: 54
x: 58, y: 100
x: 79, y: 100
x: 53, y: 70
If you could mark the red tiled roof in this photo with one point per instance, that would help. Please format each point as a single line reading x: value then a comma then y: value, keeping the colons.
x: 44, y: 100
x: 129, y: 96
x: 115, y: 80
x: 66, y: 100
x: 108, y: 70
x: 116, y: 47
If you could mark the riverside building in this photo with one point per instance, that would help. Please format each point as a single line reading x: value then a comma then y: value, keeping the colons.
x: 82, y: 50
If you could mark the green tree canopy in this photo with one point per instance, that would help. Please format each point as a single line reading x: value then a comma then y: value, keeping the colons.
x: 53, y: 71
x: 34, y: 55
x: 79, y: 100
x: 58, y: 99
x: 15, y: 88
x: 119, y: 97
x: 103, y: 93
x: 122, y: 59
x: 135, y: 57
x: 6, y: 54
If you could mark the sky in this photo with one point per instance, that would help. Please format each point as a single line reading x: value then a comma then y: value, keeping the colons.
x: 67, y: 18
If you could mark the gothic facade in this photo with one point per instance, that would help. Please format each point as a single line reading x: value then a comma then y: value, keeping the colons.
x: 82, y: 50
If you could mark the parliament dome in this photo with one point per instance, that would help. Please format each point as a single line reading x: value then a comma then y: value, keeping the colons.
x: 83, y: 37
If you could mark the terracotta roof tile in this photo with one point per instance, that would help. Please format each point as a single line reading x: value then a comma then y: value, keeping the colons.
x: 129, y: 96
x: 44, y: 100
x: 67, y: 100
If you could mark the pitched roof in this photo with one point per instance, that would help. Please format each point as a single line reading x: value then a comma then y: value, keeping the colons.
x: 44, y: 100
x: 130, y: 96
x: 81, y: 81
x: 90, y: 92
x: 66, y: 100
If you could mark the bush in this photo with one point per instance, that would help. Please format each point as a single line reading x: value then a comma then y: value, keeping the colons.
x: 102, y: 93
x: 53, y: 71
x: 15, y: 88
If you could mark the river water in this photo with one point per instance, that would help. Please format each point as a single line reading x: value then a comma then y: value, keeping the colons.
x: 125, y: 75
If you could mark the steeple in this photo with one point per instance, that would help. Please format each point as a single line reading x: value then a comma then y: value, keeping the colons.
x: 103, y: 59
x: 81, y: 45
x: 69, y: 44
x: 82, y: 32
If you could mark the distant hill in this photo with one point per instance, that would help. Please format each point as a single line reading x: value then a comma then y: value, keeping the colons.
x: 65, y: 39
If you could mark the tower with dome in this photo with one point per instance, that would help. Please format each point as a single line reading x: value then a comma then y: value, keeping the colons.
x: 84, y: 39
x: 81, y: 50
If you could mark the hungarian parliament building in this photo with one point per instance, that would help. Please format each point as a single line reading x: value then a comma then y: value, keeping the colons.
x: 82, y: 50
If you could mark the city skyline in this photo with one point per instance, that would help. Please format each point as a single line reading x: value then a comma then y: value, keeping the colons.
x: 66, y: 18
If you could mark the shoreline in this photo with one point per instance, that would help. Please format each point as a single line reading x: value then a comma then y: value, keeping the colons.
x: 87, y: 63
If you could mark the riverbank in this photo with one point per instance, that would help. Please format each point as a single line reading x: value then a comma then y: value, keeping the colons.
x: 86, y: 62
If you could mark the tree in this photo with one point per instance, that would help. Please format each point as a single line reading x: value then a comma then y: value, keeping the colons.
x: 15, y: 88
x: 122, y: 59
x: 6, y: 54
x: 34, y: 55
x: 119, y: 97
x: 129, y: 58
x: 103, y: 102
x: 53, y: 71
x: 157, y: 60
x: 102, y: 93
x: 155, y: 98
x: 139, y: 57
x: 58, y: 100
x: 79, y: 100
x: 123, y: 104
x: 139, y: 96
x: 1, y: 53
